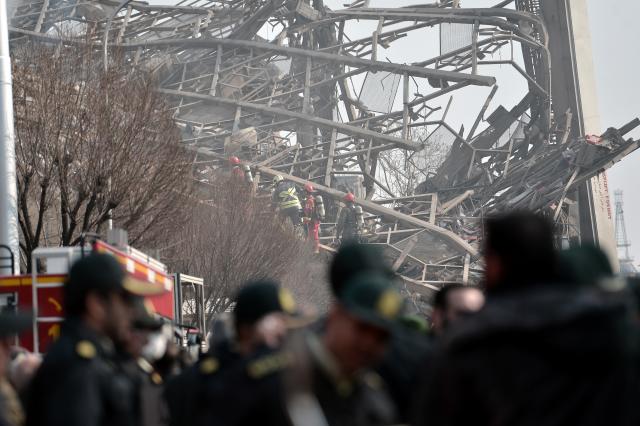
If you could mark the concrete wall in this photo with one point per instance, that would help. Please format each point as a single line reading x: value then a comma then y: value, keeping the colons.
x: 574, y: 87
x: 588, y: 100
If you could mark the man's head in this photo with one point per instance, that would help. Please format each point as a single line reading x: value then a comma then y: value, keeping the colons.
x: 453, y: 302
x: 359, y: 324
x: 583, y: 266
x: 259, y: 314
x: 353, y: 259
x: 519, y: 251
x: 145, y: 324
x: 99, y: 293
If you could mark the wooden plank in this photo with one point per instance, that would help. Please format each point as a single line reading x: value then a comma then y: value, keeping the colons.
x: 434, y: 208
x: 216, y: 72
x: 455, y: 201
x: 43, y: 13
x: 465, y: 271
x: 564, y: 193
x: 472, y: 132
x: 405, y: 101
x: 306, y: 101
x: 405, y: 252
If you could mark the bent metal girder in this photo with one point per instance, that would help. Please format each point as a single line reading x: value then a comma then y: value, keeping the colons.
x: 295, y: 88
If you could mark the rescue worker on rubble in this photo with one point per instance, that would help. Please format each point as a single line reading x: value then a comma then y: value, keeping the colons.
x: 347, y: 226
x: 285, y: 199
x: 80, y: 381
x: 330, y: 380
x: 236, y: 168
x: 312, y: 216
x: 222, y: 387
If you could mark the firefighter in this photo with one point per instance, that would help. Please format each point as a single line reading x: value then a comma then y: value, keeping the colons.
x: 313, y: 215
x: 347, y: 228
x: 285, y: 198
x: 236, y: 168
x: 80, y: 381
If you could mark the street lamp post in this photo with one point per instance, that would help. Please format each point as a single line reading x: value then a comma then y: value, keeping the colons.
x: 8, y: 183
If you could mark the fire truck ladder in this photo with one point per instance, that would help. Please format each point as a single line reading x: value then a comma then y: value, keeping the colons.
x: 42, y: 259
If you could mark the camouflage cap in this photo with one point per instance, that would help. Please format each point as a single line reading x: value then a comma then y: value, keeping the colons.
x: 372, y: 298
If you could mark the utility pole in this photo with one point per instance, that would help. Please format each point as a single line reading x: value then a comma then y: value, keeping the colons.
x: 8, y: 187
x: 622, y: 241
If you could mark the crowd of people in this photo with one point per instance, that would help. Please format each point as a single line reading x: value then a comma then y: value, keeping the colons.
x: 549, y: 338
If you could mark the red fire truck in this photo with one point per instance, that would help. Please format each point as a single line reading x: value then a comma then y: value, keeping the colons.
x: 41, y: 291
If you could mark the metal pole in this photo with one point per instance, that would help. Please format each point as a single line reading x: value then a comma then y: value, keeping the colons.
x: 8, y: 187
x: 105, y: 63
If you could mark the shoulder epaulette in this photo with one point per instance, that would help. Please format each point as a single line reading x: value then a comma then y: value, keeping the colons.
x: 209, y: 365
x: 156, y: 378
x: 145, y: 365
x: 268, y: 364
x: 85, y: 349
x: 373, y: 380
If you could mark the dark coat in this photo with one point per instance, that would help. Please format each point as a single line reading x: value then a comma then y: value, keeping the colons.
x: 315, y: 390
x: 79, y: 384
x: 551, y: 355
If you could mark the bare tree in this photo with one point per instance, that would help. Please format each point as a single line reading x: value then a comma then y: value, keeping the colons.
x: 89, y: 143
x: 234, y: 239
x: 402, y: 171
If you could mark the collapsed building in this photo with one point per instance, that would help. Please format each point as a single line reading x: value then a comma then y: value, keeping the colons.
x: 296, y: 88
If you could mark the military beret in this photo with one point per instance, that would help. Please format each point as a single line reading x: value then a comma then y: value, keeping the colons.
x: 260, y: 298
x: 353, y: 259
x: 372, y: 298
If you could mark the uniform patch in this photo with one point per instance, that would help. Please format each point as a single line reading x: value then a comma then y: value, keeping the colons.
x: 209, y: 366
x: 267, y: 365
x: 373, y: 380
x: 344, y: 388
x: 389, y: 304
x: 286, y: 301
x: 156, y: 378
x: 86, y: 349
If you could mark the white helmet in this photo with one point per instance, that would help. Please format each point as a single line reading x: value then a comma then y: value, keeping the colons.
x: 277, y: 179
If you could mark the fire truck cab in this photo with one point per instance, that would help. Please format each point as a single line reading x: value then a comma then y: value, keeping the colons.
x: 41, y: 292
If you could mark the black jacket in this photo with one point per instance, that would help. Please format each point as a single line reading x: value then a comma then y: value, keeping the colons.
x: 552, y: 355
x: 79, y: 384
